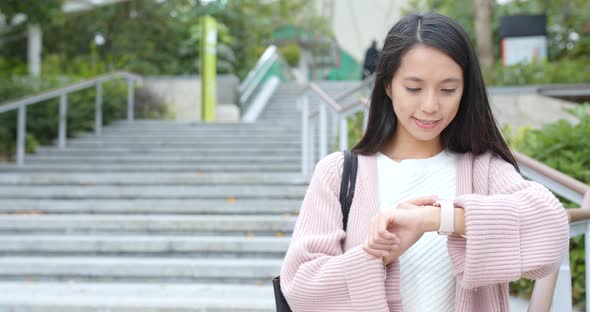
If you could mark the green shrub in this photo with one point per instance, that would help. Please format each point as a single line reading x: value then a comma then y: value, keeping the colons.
x: 291, y: 52
x: 43, y: 118
x: 563, y: 71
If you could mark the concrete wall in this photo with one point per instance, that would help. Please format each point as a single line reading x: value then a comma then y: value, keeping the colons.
x: 528, y: 109
x: 182, y: 95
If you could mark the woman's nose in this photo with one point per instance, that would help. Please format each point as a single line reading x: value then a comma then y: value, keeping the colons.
x: 430, y: 104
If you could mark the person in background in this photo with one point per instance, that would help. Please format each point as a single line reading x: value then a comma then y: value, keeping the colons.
x: 371, y: 57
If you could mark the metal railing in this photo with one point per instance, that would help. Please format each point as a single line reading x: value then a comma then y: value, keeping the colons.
x: 339, y: 115
x: 551, y: 292
x: 20, y: 105
x: 257, y: 76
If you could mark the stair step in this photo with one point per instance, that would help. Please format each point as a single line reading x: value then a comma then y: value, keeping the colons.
x: 170, y: 224
x: 186, y: 140
x: 162, y: 269
x: 142, y: 144
x: 209, y: 152
x: 203, y: 246
x: 266, y: 126
x: 287, y: 168
x: 193, y: 135
x: 134, y: 297
x: 149, y: 191
x: 199, y: 206
x: 162, y: 160
x: 157, y: 178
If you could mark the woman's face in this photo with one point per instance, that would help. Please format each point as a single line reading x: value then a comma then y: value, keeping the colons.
x: 425, y: 91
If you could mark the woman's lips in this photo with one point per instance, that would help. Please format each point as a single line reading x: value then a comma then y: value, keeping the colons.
x: 426, y: 124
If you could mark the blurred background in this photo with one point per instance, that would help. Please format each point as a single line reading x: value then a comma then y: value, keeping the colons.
x: 162, y: 148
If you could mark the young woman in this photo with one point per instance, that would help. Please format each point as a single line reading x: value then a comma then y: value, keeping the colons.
x: 430, y: 136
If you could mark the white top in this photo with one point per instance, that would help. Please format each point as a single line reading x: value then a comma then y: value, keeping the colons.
x: 426, y: 273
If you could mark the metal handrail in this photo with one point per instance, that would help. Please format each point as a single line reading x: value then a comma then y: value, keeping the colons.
x: 255, y: 76
x: 264, y: 58
x: 554, y: 289
x: 21, y: 105
x: 367, y: 82
x: 559, y: 183
x: 333, y: 102
x: 346, y: 107
x: 339, y: 112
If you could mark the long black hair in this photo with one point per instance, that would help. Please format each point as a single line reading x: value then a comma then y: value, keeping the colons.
x: 474, y: 128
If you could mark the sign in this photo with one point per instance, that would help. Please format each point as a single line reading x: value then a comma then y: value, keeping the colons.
x: 524, y: 38
x: 524, y: 49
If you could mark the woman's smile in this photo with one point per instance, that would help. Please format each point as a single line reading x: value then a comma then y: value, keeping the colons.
x: 426, y: 124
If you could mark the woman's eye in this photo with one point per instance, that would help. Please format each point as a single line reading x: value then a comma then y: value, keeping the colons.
x: 448, y: 90
x: 413, y: 89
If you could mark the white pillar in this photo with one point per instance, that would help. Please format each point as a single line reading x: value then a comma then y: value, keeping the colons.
x: 562, y: 298
x: 130, y: 99
x: 343, y: 133
x: 323, y: 144
x: 21, y: 135
x: 587, y: 265
x: 305, y: 149
x: 35, y: 38
x: 304, y: 64
x: 63, y: 121
x: 98, y: 109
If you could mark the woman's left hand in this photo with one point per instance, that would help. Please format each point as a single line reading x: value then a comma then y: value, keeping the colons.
x: 406, y: 222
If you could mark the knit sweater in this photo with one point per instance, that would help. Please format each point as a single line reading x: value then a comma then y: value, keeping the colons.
x: 427, y: 282
x: 514, y: 228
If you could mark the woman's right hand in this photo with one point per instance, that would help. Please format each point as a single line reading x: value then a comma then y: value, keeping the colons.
x: 393, y: 232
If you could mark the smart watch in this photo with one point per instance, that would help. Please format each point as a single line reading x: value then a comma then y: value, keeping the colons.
x: 447, y: 217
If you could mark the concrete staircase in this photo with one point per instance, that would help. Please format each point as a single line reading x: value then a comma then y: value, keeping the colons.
x: 154, y: 216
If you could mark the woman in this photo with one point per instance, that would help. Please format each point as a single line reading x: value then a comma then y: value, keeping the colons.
x: 430, y: 135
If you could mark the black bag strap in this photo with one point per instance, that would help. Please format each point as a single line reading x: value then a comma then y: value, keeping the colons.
x: 346, y: 195
x: 347, y: 185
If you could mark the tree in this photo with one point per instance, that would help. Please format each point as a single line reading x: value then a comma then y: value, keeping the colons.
x: 37, y: 12
x: 36, y: 15
x: 155, y: 37
x: 483, y: 31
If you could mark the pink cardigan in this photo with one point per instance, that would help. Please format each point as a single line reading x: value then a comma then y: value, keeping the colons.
x: 515, y: 228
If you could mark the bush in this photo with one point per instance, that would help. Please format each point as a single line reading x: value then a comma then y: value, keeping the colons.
x: 43, y: 118
x: 559, y: 72
x: 291, y: 52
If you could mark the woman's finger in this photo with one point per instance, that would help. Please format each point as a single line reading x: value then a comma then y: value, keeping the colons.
x: 382, y: 241
x: 373, y: 253
x: 376, y: 253
x: 386, y: 247
x: 384, y: 222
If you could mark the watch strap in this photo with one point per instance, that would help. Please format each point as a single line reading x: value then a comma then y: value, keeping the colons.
x: 447, y: 217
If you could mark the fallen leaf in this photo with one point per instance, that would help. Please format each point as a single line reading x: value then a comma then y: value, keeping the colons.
x: 231, y: 200
x: 28, y: 212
